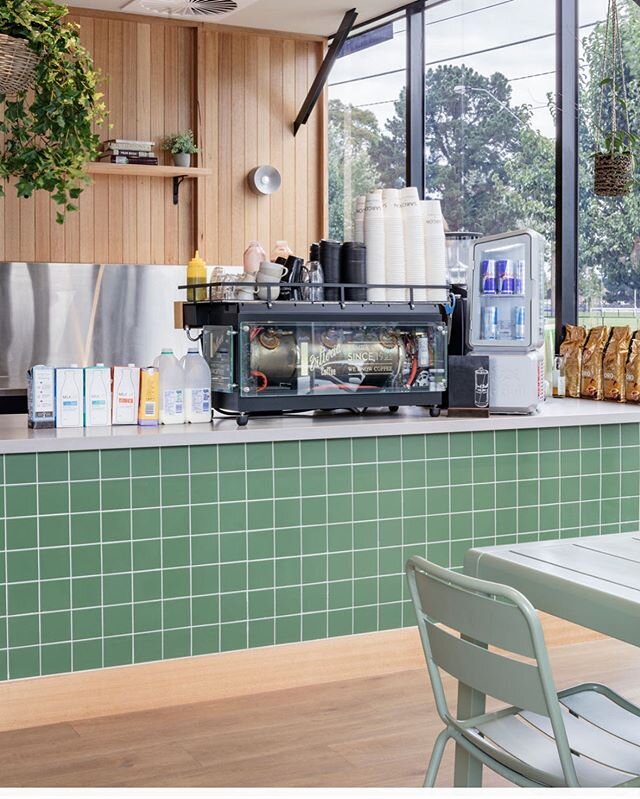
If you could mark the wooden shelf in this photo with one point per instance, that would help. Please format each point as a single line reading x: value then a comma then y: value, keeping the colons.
x: 142, y: 170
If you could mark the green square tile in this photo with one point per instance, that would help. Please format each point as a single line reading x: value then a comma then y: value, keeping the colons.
x: 204, y: 580
x: 145, y: 492
x: 365, y: 591
x: 590, y: 461
x: 147, y: 617
x: 569, y: 438
x: 389, y: 448
x: 87, y: 623
x: 260, y: 456
x: 53, y: 498
x: 611, y: 484
x: 116, y: 526
x: 549, y: 464
x: 20, y: 469
x: 390, y: 616
x: 610, y: 435
x: 204, y: 519
x: 287, y: 542
x: 506, y: 442
x: 314, y: 511
x: 528, y: 492
x: 87, y: 655
x: 629, y: 484
x: 364, y: 508
x: 589, y: 513
x: 288, y: 601
x: 86, y: 592
x: 365, y: 563
x: 53, y: 467
x: 175, y: 521
x: 414, y: 502
x: 339, y: 479
x: 176, y: 613
x: 54, y: 530
x: 233, y: 637
x: 176, y: 644
x: 389, y: 504
x: 314, y: 481
x: 438, y: 500
x: 116, y: 494
x: 527, y: 440
x: 364, y: 450
x: 506, y: 467
x: 203, y: 459
x: 413, y: 532
x: 86, y: 560
x: 485, y: 525
x: 287, y: 483
x: 549, y: 439
x: 314, y: 626
x: 610, y: 511
x: 262, y: 603
x: 413, y: 448
x: 118, y: 651
x: 147, y: 647
x: 390, y: 476
x: 204, y: 549
x: 629, y: 510
x: 288, y: 630
x: 528, y: 467
x: 22, y: 566
x: 506, y: 521
x: 231, y: 486
x: 484, y: 497
x: 204, y: 488
x: 365, y: 536
x: 549, y: 491
x: 118, y: 620
x: 286, y: 454
x: 589, y: 487
x: 24, y: 662
x: 365, y: 620
x: 21, y: 500
x: 56, y: 659
x: 439, y: 554
x: 630, y: 458
x: 460, y: 445
x: 116, y: 558
x: 145, y: 462
x: 233, y: 547
x: 55, y: 595
x: 233, y: 607
x: 313, y: 453
x: 114, y: 463
x: 314, y: 598
x: 461, y: 525
x: 437, y: 445
x: 85, y: 496
x: 24, y: 630
x: 232, y: 458
x: 205, y: 610
x: 590, y: 437
x: 176, y: 583
x: 461, y: 499
x: 148, y: 554
x: 341, y: 595
x: 175, y: 552
x: 437, y: 474
x: 390, y: 588
x: 483, y: 443
x: 174, y: 460
x: 146, y: 524
x: 340, y: 566
x: 175, y: 491
x: 461, y: 471
x: 484, y: 470
x: 610, y: 460
x: 147, y: 585
x: 260, y: 484
x: 260, y: 515
x: 630, y: 434
x: 569, y: 464
x: 338, y: 451
x: 314, y: 568
x: 261, y: 544
x: 340, y: 536
x: 54, y: 564
x: 288, y: 571
x: 570, y: 515
x: 205, y: 640
x: 340, y: 622
x: 288, y: 512
x: 22, y: 533
x: 528, y: 520
x: 84, y: 465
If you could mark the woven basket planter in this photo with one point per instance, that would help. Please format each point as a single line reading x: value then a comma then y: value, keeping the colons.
x: 17, y: 64
x: 613, y: 174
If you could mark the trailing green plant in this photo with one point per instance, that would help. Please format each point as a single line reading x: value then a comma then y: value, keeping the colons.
x: 181, y: 143
x: 48, y: 128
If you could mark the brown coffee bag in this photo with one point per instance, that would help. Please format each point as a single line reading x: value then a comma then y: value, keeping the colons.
x: 571, y: 351
x: 591, y: 383
x: 614, y: 364
x: 632, y: 371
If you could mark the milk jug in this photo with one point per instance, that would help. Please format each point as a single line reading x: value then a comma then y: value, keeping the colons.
x: 171, y: 388
x: 197, y: 387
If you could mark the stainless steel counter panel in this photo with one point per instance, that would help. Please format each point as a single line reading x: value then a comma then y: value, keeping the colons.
x: 59, y: 314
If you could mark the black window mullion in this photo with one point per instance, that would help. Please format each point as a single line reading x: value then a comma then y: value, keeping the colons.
x: 415, y: 96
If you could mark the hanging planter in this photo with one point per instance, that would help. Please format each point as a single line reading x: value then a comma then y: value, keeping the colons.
x: 614, y: 160
x: 49, y: 103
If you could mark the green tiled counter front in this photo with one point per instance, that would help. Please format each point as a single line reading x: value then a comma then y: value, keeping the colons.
x: 124, y: 556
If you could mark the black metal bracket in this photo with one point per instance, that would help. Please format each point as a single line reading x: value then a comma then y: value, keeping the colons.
x: 177, y: 182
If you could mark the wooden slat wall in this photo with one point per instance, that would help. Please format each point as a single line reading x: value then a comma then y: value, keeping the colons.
x: 240, y: 91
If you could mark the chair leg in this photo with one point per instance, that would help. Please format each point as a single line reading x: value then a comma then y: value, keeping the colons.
x: 436, y: 759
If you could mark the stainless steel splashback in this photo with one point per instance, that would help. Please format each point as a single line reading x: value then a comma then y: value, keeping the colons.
x: 59, y: 314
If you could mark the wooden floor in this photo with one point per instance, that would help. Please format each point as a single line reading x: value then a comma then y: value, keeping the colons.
x: 370, y: 732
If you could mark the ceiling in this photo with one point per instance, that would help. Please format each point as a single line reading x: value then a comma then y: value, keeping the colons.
x: 316, y: 17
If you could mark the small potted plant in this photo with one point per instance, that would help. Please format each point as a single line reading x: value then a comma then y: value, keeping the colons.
x: 181, y: 146
x: 614, y: 164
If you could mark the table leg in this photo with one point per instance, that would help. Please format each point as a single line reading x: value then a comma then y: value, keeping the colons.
x: 467, y: 770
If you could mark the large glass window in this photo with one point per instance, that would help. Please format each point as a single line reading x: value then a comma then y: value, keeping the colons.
x: 609, y: 228
x: 367, y: 140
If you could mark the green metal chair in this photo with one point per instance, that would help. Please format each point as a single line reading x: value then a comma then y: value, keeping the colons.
x: 585, y: 736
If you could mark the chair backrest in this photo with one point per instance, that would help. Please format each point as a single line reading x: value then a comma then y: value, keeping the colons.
x: 485, y: 614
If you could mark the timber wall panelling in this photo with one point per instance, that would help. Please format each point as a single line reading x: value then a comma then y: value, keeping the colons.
x: 240, y: 92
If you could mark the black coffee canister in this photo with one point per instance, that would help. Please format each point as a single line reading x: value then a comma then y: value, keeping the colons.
x: 330, y: 260
x: 353, y: 269
x: 314, y: 253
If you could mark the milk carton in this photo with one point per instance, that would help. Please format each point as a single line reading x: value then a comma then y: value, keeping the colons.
x: 69, y: 396
x: 41, y: 397
x: 149, y: 411
x: 126, y: 394
x: 97, y: 396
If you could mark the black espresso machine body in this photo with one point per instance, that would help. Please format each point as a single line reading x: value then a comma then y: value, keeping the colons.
x: 293, y: 356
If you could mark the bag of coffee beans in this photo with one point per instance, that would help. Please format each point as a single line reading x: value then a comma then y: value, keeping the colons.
x: 614, y: 364
x: 571, y: 352
x: 591, y: 383
x: 632, y: 372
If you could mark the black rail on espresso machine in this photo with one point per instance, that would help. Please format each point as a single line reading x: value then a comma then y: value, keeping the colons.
x: 270, y: 357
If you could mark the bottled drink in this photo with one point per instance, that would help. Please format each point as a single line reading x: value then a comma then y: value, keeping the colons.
x: 490, y: 323
x: 171, y: 388
x: 519, y: 323
x: 197, y: 387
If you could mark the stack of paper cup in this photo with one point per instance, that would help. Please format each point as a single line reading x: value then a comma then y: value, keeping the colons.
x: 374, y: 241
x: 394, y: 244
x: 414, y: 247
x: 358, y: 230
x: 435, y: 250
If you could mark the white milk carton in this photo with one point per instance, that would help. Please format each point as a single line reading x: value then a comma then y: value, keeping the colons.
x: 41, y: 396
x: 126, y: 394
x: 69, y: 396
x: 97, y: 396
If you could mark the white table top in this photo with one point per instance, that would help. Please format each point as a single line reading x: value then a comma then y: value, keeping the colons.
x: 593, y: 581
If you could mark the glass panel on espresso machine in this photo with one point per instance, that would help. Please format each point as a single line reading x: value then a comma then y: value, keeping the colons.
x: 320, y: 359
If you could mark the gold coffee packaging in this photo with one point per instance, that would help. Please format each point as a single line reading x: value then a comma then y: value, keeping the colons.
x: 571, y: 353
x: 614, y: 364
x: 632, y: 377
x: 591, y: 382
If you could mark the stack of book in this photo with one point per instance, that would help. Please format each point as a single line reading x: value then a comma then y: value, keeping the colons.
x: 128, y: 151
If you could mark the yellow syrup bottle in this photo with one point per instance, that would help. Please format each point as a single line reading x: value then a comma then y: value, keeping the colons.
x: 196, y: 273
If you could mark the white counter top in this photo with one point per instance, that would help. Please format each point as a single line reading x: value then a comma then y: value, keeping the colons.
x: 16, y: 437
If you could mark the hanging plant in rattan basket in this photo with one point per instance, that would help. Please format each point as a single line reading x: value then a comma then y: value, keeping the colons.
x: 614, y: 161
x: 17, y: 64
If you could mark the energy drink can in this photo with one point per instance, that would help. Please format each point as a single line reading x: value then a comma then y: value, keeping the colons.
x: 519, y: 322
x: 506, y: 277
x: 489, y: 282
x: 490, y: 323
x: 519, y: 280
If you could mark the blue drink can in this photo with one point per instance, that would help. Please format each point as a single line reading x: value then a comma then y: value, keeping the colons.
x: 489, y: 283
x: 506, y: 277
x: 519, y: 322
x: 489, y: 323
x: 519, y: 286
